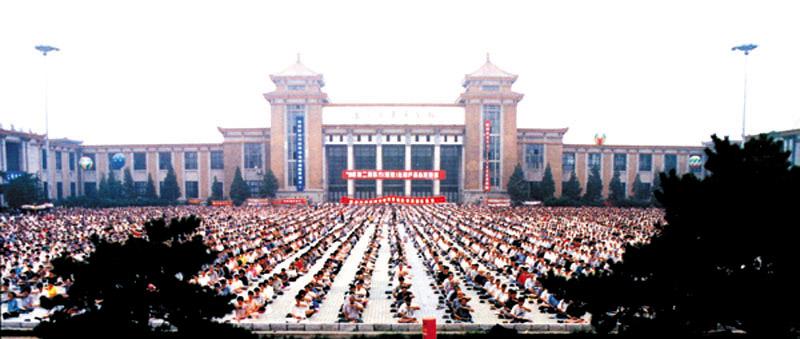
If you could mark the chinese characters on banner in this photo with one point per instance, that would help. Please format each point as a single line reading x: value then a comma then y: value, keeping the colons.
x: 300, y: 147
x: 487, y: 130
x: 393, y: 175
x: 393, y: 199
x: 290, y: 201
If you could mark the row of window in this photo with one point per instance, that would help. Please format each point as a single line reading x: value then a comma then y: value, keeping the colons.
x: 397, y: 137
x: 620, y: 160
x: 191, y: 188
x: 190, y: 161
x: 59, y: 161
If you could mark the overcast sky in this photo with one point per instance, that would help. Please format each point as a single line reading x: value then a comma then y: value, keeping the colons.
x: 642, y: 72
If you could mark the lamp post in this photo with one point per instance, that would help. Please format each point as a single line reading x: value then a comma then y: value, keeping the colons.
x: 46, y: 49
x: 746, y: 49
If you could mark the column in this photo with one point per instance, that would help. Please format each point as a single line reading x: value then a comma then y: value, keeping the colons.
x: 3, y: 160
x: 437, y: 164
x: 408, y: 165
x: 379, y: 166
x: 351, y: 185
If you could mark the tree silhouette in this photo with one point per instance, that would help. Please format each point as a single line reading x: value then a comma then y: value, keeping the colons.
x: 517, y: 187
x: 123, y: 286
x: 616, y: 189
x: 150, y: 191
x: 571, y: 189
x: 170, y: 191
x: 269, y: 185
x: 22, y: 190
x: 641, y: 192
x: 128, y: 187
x: 239, y: 189
x: 216, y: 190
x: 594, y: 187
x: 547, y: 186
x: 727, y: 258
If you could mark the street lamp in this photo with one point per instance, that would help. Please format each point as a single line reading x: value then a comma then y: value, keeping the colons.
x: 746, y: 49
x: 46, y: 49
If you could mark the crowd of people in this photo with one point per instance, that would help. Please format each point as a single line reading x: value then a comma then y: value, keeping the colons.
x: 471, y: 254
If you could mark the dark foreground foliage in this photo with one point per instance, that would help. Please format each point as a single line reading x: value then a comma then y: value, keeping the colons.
x: 122, y: 287
x: 726, y: 260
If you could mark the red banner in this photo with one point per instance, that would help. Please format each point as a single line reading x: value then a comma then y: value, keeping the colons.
x: 222, y: 203
x: 194, y: 201
x: 290, y: 201
x: 257, y: 202
x: 393, y: 175
x: 487, y: 139
x: 394, y: 199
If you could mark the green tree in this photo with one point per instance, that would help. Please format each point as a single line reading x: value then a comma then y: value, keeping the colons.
x: 734, y: 231
x: 616, y: 189
x: 641, y: 192
x: 150, y: 191
x: 22, y: 190
x: 216, y: 190
x: 548, y: 186
x: 594, y: 187
x: 128, y: 186
x: 239, y: 189
x: 269, y: 185
x: 170, y: 191
x: 122, y: 286
x: 102, y: 188
x: 517, y: 187
x: 571, y: 189
x: 113, y: 186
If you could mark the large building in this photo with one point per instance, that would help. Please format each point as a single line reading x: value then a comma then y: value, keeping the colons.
x: 475, y: 141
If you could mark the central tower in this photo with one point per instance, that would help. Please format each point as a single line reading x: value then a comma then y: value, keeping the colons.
x: 490, y: 127
x: 296, y: 131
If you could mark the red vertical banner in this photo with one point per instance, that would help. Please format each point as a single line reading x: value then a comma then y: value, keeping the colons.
x: 428, y: 328
x: 487, y: 140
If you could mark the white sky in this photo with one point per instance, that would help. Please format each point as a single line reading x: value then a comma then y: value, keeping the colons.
x: 642, y: 72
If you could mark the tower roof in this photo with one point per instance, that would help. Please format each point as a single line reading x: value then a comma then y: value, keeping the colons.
x: 489, y: 70
x: 297, y: 70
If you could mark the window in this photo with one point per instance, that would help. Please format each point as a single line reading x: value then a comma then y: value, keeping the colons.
x: 59, y: 190
x: 191, y: 189
x: 44, y: 158
x: 72, y: 191
x: 337, y: 162
x: 164, y: 160
x: 394, y: 158
x: 252, y: 155
x: 71, y: 162
x: 670, y: 162
x: 254, y: 186
x: 297, y: 87
x: 595, y: 161
x: 490, y: 88
x: 140, y: 187
x: 534, y: 156
x: 491, y: 113
x: 645, y: 162
x: 217, y: 160
x: 58, y: 160
x: 139, y: 161
x: 364, y: 158
x: 13, y: 154
x: 450, y: 160
x: 567, y: 162
x: 421, y: 159
x: 45, y: 190
x: 190, y: 160
x: 620, y: 162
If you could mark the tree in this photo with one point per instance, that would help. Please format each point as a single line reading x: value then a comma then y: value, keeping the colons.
x: 128, y: 187
x: 22, y: 190
x: 594, y: 187
x: 517, y: 187
x: 571, y: 189
x: 732, y: 232
x: 114, y: 189
x: 170, y: 190
x: 616, y: 189
x: 150, y: 191
x: 641, y: 192
x: 216, y: 190
x: 269, y: 185
x: 239, y: 189
x: 548, y: 186
x: 122, y: 286
x: 102, y: 190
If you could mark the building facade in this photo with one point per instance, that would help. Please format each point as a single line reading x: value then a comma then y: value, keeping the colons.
x: 474, y: 140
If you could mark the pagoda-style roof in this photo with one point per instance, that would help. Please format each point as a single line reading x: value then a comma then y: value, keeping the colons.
x: 297, y: 70
x: 490, y: 71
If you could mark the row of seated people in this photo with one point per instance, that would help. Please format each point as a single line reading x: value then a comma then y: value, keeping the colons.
x: 309, y: 299
x: 451, y: 297
x: 402, y: 306
x: 254, y: 302
x: 357, y: 296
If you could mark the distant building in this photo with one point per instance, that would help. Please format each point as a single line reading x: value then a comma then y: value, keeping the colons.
x: 475, y: 141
